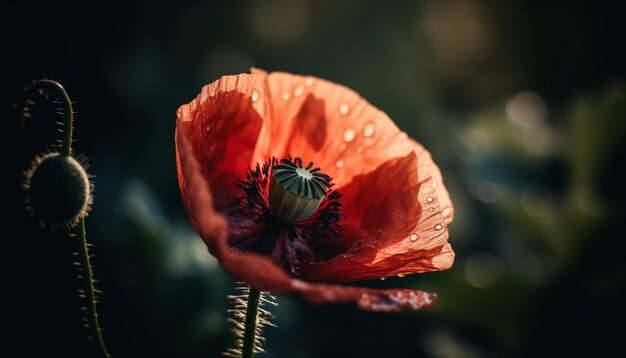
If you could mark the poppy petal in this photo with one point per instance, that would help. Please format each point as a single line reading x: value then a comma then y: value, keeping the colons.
x: 212, y: 226
x: 392, y: 300
x: 222, y: 126
x: 259, y: 270
x: 392, y: 227
x: 298, y: 116
x: 337, y: 129
x: 348, y: 137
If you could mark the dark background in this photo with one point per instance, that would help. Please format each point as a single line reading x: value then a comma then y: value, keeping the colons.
x: 522, y: 105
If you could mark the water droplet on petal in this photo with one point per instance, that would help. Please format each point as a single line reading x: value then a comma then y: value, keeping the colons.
x: 308, y: 82
x: 438, y: 227
x: 298, y: 91
x: 349, y: 134
x: 369, y: 129
x: 339, y: 163
x: 208, y: 128
x: 383, y: 278
x: 431, y: 209
x: 255, y: 95
x: 344, y: 109
x: 414, y: 237
x: 401, y: 275
x: 286, y: 96
x: 429, y: 199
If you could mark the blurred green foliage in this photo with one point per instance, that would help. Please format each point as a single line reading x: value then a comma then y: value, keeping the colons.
x: 522, y: 105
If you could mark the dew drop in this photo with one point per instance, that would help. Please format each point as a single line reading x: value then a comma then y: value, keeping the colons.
x: 308, y: 82
x: 208, y: 128
x: 369, y: 129
x: 401, y: 275
x: 414, y: 237
x: 349, y: 134
x: 383, y: 278
x: 429, y: 199
x: 344, y: 109
x: 438, y: 227
x: 286, y: 96
x: 255, y: 95
x: 298, y: 91
x: 431, y: 209
x: 339, y: 163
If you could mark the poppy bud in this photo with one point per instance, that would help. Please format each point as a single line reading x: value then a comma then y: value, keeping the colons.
x: 296, y: 191
x: 58, y: 189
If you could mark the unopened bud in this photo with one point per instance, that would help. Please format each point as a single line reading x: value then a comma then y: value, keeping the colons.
x: 58, y: 189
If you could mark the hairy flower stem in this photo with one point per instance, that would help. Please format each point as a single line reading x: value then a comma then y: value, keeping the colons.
x: 249, y: 335
x: 68, y: 112
x: 89, y: 291
x: 86, y: 275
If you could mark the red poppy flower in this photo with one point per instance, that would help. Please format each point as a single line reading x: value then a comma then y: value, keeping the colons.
x: 387, y: 213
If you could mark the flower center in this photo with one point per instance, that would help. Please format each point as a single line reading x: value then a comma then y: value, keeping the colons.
x: 296, y: 191
x: 293, y: 207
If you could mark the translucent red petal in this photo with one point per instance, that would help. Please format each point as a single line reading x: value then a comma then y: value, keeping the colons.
x: 397, y: 208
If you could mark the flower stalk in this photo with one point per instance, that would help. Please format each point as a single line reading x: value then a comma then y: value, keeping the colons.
x: 89, y: 292
x: 250, y: 330
x: 68, y: 111
x: 72, y: 171
x: 250, y: 316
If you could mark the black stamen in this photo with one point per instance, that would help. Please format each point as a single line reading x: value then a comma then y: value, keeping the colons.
x: 288, y: 162
x: 322, y: 224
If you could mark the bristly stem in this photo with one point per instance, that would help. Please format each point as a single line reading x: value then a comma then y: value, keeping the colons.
x: 250, y: 330
x: 250, y: 316
x: 89, y: 291
x: 68, y: 112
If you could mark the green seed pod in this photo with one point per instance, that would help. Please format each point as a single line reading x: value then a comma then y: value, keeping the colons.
x: 58, y: 190
x: 296, y: 191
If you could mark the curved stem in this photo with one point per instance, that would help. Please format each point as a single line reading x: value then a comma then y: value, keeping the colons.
x: 68, y: 112
x: 250, y: 330
x: 88, y: 291
x: 90, y: 295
